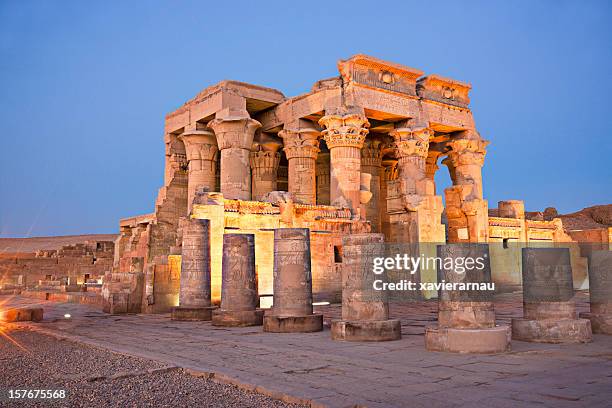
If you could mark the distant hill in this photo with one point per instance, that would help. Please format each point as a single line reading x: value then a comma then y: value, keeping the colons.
x: 598, y: 216
x: 36, y: 243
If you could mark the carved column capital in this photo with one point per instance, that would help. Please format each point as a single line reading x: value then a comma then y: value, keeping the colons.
x: 467, y: 151
x: 371, y: 153
x: 300, y: 143
x: 347, y: 130
x: 411, y: 142
x: 199, y: 145
x: 234, y: 131
x: 391, y: 171
x: 431, y: 163
x: 262, y: 159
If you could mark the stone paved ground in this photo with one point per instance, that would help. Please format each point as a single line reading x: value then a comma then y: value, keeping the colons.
x: 392, y: 374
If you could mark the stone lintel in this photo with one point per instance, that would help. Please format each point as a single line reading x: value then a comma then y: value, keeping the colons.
x: 444, y: 90
x: 226, y: 94
x: 371, y: 72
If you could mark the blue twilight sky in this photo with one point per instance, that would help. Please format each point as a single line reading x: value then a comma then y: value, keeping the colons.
x: 84, y: 87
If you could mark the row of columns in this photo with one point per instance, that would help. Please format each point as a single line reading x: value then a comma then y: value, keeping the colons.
x: 233, y: 140
x: 332, y: 177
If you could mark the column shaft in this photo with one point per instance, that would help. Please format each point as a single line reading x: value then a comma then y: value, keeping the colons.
x: 201, y: 152
x: 323, y: 179
x: 371, y: 158
x: 195, y: 264
x: 301, y: 149
x: 235, y: 138
x: 264, y: 167
x: 345, y: 136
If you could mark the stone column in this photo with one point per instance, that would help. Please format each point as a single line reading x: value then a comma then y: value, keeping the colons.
x: 431, y: 167
x: 412, y: 148
x: 467, y: 157
x: 549, y: 309
x: 371, y: 163
x: 389, y: 176
x: 235, y: 138
x: 411, y: 186
x: 301, y: 149
x: 201, y: 151
x: 600, y: 290
x: 365, y: 311
x: 466, y: 210
x: 345, y: 135
x: 323, y: 178
x: 466, y: 318
x: 292, y: 307
x: 264, y: 167
x: 194, y: 291
x: 239, y: 297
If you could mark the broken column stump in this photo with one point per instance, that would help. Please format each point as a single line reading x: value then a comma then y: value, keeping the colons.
x: 22, y: 314
x: 466, y: 318
x: 238, y: 283
x: 549, y: 310
x: 365, y: 311
x: 291, y: 311
x: 600, y: 290
x: 194, y: 291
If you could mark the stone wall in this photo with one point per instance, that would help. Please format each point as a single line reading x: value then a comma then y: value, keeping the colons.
x: 72, y: 265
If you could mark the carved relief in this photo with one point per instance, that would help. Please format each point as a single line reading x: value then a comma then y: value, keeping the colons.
x: 467, y: 151
x: 348, y: 130
x: 411, y: 142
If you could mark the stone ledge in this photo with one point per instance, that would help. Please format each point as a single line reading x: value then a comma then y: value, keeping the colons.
x: 22, y: 314
x: 189, y: 314
x: 481, y: 341
x: 366, y: 330
x: 600, y: 323
x: 552, y: 330
x: 241, y: 318
x: 293, y: 324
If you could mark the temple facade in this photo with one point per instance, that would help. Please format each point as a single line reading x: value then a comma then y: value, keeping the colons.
x: 358, y: 153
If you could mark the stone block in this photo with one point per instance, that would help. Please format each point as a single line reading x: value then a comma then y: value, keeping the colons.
x: 485, y: 341
x: 189, y: 314
x: 24, y: 314
x: 293, y: 324
x: 366, y: 330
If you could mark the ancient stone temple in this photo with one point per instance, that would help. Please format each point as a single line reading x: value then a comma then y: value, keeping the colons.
x: 356, y: 154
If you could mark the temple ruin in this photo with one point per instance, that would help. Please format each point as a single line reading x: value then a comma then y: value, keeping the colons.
x: 356, y: 154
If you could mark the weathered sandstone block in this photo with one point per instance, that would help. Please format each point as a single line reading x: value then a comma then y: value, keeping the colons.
x: 194, y: 292
x: 365, y: 311
x: 238, y: 284
x: 466, y: 318
x: 549, y: 311
x: 600, y: 289
x: 22, y: 314
x: 292, y: 308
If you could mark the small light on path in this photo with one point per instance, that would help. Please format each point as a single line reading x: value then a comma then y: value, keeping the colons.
x: 67, y: 316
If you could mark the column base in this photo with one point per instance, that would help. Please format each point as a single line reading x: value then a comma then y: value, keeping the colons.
x: 22, y: 314
x: 242, y: 318
x: 366, y: 330
x: 293, y: 324
x: 600, y: 323
x: 552, y: 330
x: 192, y: 314
x: 484, y: 341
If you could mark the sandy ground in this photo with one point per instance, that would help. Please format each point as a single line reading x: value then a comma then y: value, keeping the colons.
x: 94, y: 377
